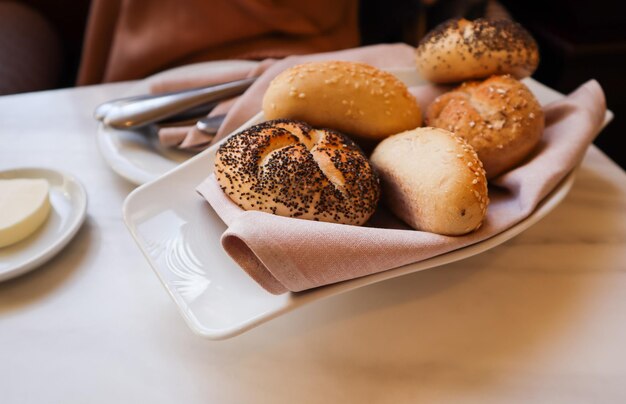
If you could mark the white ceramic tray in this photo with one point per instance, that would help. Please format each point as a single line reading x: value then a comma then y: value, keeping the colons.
x: 179, y: 233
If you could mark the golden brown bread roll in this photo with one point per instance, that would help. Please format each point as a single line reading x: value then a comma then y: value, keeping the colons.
x: 459, y: 50
x: 499, y: 117
x: 289, y: 169
x: 433, y: 180
x: 353, y: 98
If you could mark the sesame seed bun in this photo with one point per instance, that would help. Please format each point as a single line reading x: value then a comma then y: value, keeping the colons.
x: 459, y: 50
x: 500, y: 117
x: 287, y: 168
x: 433, y: 180
x: 353, y: 98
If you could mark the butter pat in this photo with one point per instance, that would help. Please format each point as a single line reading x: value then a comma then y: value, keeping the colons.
x: 24, y: 207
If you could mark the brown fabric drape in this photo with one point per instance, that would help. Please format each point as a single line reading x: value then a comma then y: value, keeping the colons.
x: 131, y: 39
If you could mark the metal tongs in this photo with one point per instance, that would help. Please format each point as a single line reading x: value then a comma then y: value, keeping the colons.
x: 139, y: 111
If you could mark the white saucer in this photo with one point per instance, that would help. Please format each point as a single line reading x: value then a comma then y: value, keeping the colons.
x: 136, y: 155
x: 69, y: 206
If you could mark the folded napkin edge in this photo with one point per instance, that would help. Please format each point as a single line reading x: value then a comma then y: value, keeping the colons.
x: 239, y: 251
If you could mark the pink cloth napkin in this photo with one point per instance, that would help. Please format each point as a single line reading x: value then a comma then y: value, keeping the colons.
x: 285, y: 254
x: 242, y: 108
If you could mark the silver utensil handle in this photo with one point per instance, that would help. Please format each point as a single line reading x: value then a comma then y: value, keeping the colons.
x: 210, y: 125
x: 101, y: 110
x: 143, y: 111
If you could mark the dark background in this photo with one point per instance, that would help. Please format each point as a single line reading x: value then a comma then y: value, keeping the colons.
x: 68, y: 19
x: 578, y: 40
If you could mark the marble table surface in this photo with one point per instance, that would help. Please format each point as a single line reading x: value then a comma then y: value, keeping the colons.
x: 541, y: 318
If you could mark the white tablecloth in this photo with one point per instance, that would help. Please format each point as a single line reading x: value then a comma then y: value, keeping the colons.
x: 541, y: 318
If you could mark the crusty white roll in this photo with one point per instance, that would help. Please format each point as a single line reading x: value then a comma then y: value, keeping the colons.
x: 289, y: 169
x: 500, y: 117
x: 459, y: 50
x: 433, y: 180
x: 354, y: 98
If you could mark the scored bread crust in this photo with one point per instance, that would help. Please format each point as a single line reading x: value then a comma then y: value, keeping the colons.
x: 287, y: 168
x: 500, y: 117
x: 459, y: 50
x: 432, y: 180
x: 353, y: 98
